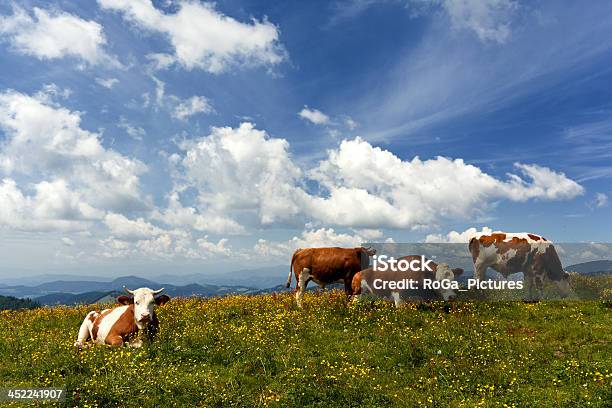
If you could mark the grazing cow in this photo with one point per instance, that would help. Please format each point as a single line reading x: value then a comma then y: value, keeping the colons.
x: 363, y: 282
x: 510, y: 253
x: 325, y: 266
x: 121, y: 324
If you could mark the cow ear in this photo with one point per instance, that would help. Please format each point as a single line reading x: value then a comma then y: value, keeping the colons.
x: 457, y: 271
x: 162, y: 300
x: 125, y: 300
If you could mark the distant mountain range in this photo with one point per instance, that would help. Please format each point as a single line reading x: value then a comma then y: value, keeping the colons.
x: 592, y: 267
x: 259, y: 278
x: 73, y: 292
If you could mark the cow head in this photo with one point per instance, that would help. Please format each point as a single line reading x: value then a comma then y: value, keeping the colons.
x: 364, y: 255
x: 445, y: 273
x: 563, y: 285
x: 143, y: 300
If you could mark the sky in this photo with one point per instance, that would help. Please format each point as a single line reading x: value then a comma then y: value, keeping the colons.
x: 142, y: 136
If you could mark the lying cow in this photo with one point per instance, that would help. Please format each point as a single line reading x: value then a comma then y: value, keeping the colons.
x: 509, y: 253
x: 364, y: 282
x: 121, y: 324
x: 325, y: 266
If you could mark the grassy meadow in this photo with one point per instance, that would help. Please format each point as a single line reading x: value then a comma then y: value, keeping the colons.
x: 251, y: 351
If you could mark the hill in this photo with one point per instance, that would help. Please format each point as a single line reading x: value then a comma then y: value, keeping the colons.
x: 74, y: 292
x: 592, y: 267
x: 248, y: 351
x: 71, y: 299
x: 12, y: 303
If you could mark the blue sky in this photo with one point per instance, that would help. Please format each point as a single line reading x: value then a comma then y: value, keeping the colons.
x: 140, y: 136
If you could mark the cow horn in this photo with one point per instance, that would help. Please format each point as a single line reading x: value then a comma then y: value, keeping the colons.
x: 157, y: 292
x: 131, y: 292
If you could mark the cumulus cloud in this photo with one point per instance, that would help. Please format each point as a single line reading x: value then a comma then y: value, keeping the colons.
x: 192, y: 106
x: 76, y: 177
x: 166, y: 244
x: 203, y: 37
x: 242, y: 170
x: 177, y: 215
x: 314, y: 116
x: 371, y: 187
x: 322, y: 237
x: 457, y: 237
x: 52, y: 207
x: 122, y: 227
x: 242, y: 173
x: 54, y: 34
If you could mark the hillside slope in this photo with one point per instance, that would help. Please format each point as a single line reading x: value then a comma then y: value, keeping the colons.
x: 254, y: 351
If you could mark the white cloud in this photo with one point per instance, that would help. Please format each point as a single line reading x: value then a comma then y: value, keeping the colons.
x: 54, y: 34
x: 242, y: 173
x: 202, y: 37
x: 322, y: 237
x: 350, y: 123
x: 107, y: 82
x: 313, y: 115
x: 179, y: 108
x: 219, y: 248
x: 490, y: 20
x: 68, y: 241
x: 52, y: 207
x: 124, y: 228
x: 135, y: 132
x: 370, y: 234
x: 176, y: 215
x: 457, y: 237
x: 601, y: 200
x: 167, y: 245
x: 192, y: 106
x: 75, y: 176
x: 371, y: 187
x: 242, y: 170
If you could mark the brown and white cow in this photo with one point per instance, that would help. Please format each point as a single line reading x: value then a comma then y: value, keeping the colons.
x: 363, y: 282
x: 325, y: 266
x: 121, y: 324
x: 509, y: 253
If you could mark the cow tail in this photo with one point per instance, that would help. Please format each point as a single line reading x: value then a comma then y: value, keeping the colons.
x: 288, y: 284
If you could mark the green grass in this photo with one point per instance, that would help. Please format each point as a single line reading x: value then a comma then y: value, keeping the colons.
x: 262, y: 351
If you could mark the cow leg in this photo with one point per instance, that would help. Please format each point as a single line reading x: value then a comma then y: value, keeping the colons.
x: 530, y: 287
x: 301, y: 286
x: 115, y: 340
x: 480, y: 270
x: 397, y: 299
x: 539, y: 284
x: 348, y: 288
x: 85, y: 329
